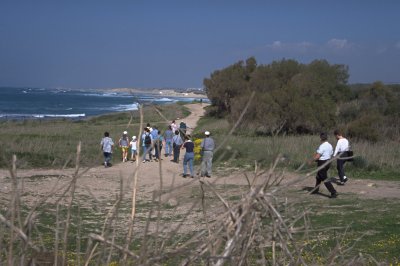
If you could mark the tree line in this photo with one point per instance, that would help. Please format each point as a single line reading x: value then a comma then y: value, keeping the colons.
x: 295, y: 98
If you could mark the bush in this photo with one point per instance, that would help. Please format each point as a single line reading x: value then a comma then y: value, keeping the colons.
x: 366, y: 127
x: 289, y: 97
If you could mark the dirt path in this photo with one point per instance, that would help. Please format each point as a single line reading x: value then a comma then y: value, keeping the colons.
x: 103, y: 182
x: 97, y: 189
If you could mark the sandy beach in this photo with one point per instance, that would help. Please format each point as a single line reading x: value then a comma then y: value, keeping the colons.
x: 160, y: 92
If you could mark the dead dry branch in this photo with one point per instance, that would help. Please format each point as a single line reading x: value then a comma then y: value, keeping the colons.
x: 259, y: 228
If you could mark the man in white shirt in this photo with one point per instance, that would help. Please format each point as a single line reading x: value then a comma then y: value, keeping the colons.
x: 322, y: 155
x: 107, y: 146
x: 341, y: 149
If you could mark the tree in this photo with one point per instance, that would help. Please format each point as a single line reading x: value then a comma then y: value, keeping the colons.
x: 226, y: 84
x: 290, y: 96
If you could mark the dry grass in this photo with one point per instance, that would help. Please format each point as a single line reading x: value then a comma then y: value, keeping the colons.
x: 258, y: 227
x: 379, y: 160
x: 47, y: 143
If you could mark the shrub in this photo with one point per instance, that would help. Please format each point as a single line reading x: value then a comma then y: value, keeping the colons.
x: 197, y: 149
x: 366, y: 127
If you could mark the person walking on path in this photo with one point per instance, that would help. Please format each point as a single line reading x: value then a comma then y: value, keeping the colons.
x: 174, y: 127
x: 146, y: 143
x: 207, y: 148
x: 158, y: 144
x: 322, y: 156
x: 176, y: 144
x: 133, y: 145
x: 107, y: 146
x: 154, y: 136
x: 124, y: 145
x: 168, y: 135
x: 182, y: 129
x: 189, y: 156
x: 341, y: 149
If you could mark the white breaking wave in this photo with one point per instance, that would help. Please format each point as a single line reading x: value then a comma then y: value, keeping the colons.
x: 111, y: 94
x: 164, y: 100
x: 65, y: 115
x: 126, y: 107
x: 41, y: 115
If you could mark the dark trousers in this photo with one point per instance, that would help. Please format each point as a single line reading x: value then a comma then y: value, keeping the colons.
x: 177, y: 151
x: 107, y: 157
x: 340, y: 166
x: 158, y: 149
x: 322, y: 175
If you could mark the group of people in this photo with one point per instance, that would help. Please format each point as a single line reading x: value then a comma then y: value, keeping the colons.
x: 153, y: 141
x: 174, y: 138
x: 323, y: 157
x: 107, y: 146
x: 207, y: 150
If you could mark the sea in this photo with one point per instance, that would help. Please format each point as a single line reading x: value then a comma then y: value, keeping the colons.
x: 37, y: 103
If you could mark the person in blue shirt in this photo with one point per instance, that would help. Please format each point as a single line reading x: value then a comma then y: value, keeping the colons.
x: 146, y: 143
x: 158, y: 144
x: 154, y: 136
x: 168, y: 135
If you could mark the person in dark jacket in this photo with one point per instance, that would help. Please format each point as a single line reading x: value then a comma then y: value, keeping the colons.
x: 189, y: 156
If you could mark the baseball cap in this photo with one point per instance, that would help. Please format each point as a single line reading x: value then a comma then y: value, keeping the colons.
x: 207, y: 133
x: 125, y: 132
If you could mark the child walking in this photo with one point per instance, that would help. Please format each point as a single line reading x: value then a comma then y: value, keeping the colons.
x: 133, y: 145
x: 124, y: 145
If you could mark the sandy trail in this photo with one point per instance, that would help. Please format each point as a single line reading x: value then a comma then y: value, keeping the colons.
x: 105, y: 183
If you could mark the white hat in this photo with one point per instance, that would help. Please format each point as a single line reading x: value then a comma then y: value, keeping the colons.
x: 134, y: 137
x: 125, y: 132
x: 207, y: 133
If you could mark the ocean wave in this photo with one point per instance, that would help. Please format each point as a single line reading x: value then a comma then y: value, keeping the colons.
x: 41, y: 115
x: 164, y: 100
x: 126, y: 107
x: 64, y: 115
x: 111, y: 94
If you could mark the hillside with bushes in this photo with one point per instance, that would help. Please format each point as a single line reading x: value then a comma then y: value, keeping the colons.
x: 295, y: 98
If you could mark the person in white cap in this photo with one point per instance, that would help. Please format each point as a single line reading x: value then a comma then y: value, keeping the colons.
x: 133, y: 146
x: 207, y: 148
x: 124, y: 145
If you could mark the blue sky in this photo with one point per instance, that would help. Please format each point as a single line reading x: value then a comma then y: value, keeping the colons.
x: 147, y: 44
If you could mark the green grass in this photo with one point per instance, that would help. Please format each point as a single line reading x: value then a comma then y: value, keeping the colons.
x: 372, y: 160
x: 52, y: 143
x: 372, y: 226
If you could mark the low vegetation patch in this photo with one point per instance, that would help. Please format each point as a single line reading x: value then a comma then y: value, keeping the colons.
x: 52, y: 142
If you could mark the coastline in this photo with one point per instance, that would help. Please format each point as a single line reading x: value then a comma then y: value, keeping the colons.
x: 41, y: 103
x: 159, y: 92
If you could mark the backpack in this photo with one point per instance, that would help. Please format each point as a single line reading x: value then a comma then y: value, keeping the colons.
x: 147, y: 139
x: 182, y: 125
